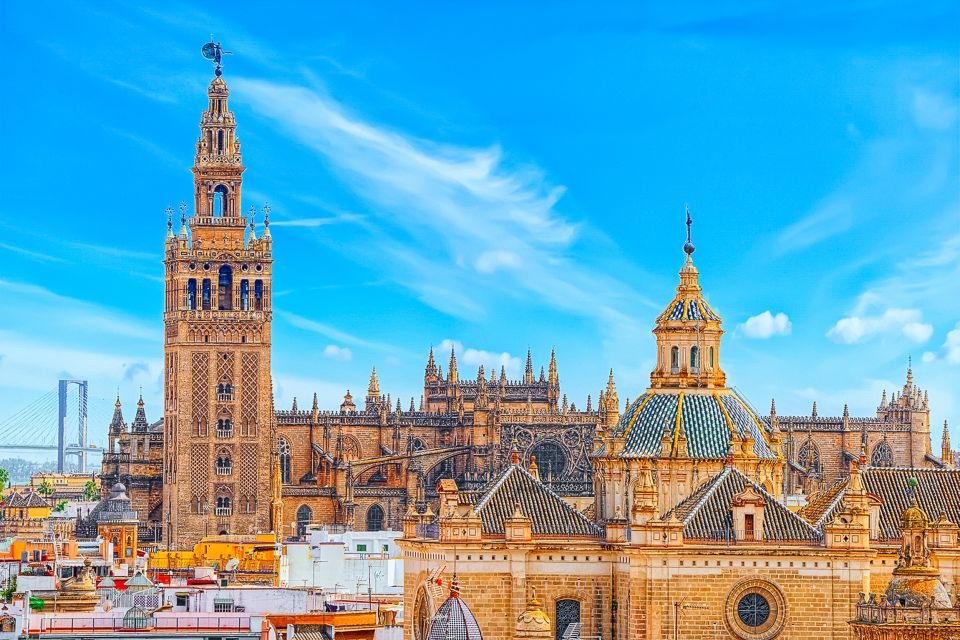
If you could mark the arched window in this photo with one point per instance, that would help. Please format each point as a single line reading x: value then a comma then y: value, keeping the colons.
x: 675, y: 359
x: 551, y: 459
x: 192, y: 294
x: 809, y: 457
x: 219, y: 201
x: 711, y: 358
x: 225, y: 288
x: 224, y: 428
x: 694, y: 358
x: 224, y: 506
x: 258, y: 295
x: 882, y: 455
x: 377, y: 478
x: 206, y: 294
x: 416, y: 444
x: 220, y: 141
x: 283, y: 449
x: 245, y: 294
x: 375, y: 518
x: 304, y: 517
x: 567, y: 613
x: 224, y: 464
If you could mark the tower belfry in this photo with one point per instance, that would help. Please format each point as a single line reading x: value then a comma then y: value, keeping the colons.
x: 218, y: 401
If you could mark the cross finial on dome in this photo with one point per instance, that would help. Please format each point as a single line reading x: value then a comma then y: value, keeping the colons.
x: 688, y: 247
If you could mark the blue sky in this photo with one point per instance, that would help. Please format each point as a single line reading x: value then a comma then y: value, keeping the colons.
x: 498, y: 176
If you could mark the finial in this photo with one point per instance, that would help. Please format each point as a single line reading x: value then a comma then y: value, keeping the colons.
x: 214, y: 52
x: 266, y: 214
x: 688, y: 247
x: 170, y: 220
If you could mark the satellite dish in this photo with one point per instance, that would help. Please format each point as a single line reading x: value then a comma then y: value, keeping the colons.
x: 209, y: 51
x: 232, y: 564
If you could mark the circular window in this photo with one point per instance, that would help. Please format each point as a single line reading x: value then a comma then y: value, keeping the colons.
x: 259, y: 267
x: 755, y: 610
x: 193, y: 265
x: 244, y: 268
x: 206, y: 266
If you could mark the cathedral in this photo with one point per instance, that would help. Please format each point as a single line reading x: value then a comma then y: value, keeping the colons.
x: 199, y: 468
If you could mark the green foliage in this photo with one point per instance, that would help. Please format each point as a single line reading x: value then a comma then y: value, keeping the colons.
x: 90, y: 491
x: 61, y: 505
x: 36, y: 603
x: 45, y: 488
x: 4, y: 478
x: 7, y: 593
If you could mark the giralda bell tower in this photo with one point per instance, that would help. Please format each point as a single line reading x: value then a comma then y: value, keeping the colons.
x: 218, y: 402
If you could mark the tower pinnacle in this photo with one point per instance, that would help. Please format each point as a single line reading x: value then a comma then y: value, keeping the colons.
x: 688, y: 247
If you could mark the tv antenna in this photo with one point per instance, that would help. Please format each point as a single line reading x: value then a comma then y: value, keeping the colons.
x: 214, y: 52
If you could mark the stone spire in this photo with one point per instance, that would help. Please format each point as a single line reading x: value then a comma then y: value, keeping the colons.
x: 373, y: 389
x: 554, y: 380
x: 431, y: 368
x: 117, y: 425
x: 452, y: 371
x: 528, y: 371
x: 946, y: 452
x: 589, y: 403
x: 813, y: 412
x: 140, y: 423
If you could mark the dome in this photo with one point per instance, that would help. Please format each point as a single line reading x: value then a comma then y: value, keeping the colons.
x: 708, y: 420
x: 916, y: 591
x: 534, y: 622
x: 118, y: 491
x: 454, y: 620
x: 914, y: 517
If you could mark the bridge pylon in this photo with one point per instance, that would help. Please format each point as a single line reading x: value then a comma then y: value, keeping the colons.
x: 81, y: 424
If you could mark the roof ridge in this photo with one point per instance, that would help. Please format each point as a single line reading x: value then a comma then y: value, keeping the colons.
x: 566, y: 505
x: 829, y: 510
x: 717, y: 480
x: 493, y: 487
x: 780, y: 504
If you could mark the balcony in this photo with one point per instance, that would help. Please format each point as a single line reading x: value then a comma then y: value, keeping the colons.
x: 225, y: 433
x: 224, y: 471
x: 225, y: 397
x: 223, y: 511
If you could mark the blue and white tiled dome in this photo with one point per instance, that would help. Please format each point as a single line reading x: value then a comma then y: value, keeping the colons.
x: 454, y: 620
x: 708, y: 421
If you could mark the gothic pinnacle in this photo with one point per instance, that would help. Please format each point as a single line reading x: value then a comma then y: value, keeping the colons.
x: 452, y: 370
x: 528, y: 371
x: 373, y: 389
x: 553, y: 367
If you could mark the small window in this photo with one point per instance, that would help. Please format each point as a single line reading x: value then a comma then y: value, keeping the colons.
x: 206, y: 294
x: 675, y: 358
x: 694, y: 358
x: 192, y: 294
x: 181, y: 601
x: 748, y: 533
x: 245, y: 294
x: 258, y: 295
x: 711, y: 358
x: 222, y: 606
x: 361, y: 548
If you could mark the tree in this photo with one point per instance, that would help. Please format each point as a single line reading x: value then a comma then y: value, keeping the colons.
x: 4, y: 478
x: 61, y: 505
x: 45, y: 488
x: 90, y: 491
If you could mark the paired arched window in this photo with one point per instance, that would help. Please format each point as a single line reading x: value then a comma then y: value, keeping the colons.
x: 224, y: 464
x: 882, y: 455
x: 694, y: 358
x: 225, y: 288
x: 224, y: 506
x: 245, y: 294
x: 205, y: 294
x: 258, y: 295
x: 675, y: 358
x: 567, y: 614
x: 224, y: 428
x: 375, y: 518
x: 283, y: 450
x: 304, y: 517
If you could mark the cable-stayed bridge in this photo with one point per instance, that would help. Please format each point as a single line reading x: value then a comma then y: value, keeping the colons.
x: 57, y: 421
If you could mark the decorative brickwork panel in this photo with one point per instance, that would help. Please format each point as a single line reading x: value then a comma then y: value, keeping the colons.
x: 199, y: 465
x: 250, y: 365
x: 225, y: 368
x: 201, y: 390
x: 249, y: 460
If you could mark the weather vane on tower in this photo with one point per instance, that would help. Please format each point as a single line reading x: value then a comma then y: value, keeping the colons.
x: 213, y: 51
x: 688, y: 247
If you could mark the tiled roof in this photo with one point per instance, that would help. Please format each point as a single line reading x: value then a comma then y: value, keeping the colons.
x: 706, y: 421
x: 688, y: 309
x: 706, y: 513
x: 938, y: 491
x: 550, y: 515
x: 822, y: 505
x: 29, y: 498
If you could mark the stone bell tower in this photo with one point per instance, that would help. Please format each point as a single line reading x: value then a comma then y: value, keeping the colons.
x: 218, y: 401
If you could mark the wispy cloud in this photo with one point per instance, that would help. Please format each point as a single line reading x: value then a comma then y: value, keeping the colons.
x: 33, y: 255
x: 334, y: 352
x: 318, y: 222
x: 330, y: 332
x: 481, y: 213
x: 864, y: 325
